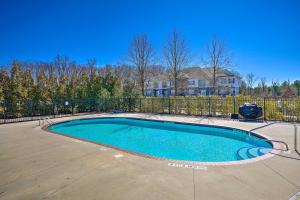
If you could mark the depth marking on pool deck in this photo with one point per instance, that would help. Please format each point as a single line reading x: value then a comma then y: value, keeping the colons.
x: 197, y: 167
x: 118, y: 156
x: 79, y: 141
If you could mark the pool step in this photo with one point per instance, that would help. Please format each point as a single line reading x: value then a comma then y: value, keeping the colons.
x: 263, y: 151
x: 242, y: 153
x: 251, y: 152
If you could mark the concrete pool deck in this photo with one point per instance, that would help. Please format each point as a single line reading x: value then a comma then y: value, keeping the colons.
x: 35, y: 164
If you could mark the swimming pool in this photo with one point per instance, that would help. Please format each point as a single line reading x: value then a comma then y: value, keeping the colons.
x: 168, y: 140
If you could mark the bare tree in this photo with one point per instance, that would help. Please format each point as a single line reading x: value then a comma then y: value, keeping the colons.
x: 155, y: 70
x: 124, y: 72
x: 177, y: 56
x: 243, y: 88
x: 250, y: 79
x: 141, y: 55
x: 263, y: 83
x: 275, y: 86
x: 218, y: 58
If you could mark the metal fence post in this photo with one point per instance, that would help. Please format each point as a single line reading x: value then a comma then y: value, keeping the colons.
x: 295, y: 141
x: 53, y: 108
x: 5, y: 108
x: 129, y: 102
x: 151, y: 105
x: 234, y: 105
x: 198, y: 113
x: 31, y: 107
x: 169, y: 105
x: 72, y: 103
x: 209, y: 106
x: 140, y: 104
x: 264, y: 108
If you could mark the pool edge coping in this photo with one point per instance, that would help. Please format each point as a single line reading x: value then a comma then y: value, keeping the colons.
x: 272, y: 153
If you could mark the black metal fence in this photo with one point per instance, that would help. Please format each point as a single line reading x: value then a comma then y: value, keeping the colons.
x: 273, y: 108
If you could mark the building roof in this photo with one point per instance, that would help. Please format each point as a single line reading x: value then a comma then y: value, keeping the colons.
x: 197, y: 73
x: 161, y: 77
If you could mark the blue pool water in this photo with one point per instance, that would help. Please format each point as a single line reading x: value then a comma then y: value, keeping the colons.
x: 167, y: 139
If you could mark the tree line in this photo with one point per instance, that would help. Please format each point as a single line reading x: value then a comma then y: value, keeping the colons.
x: 66, y: 79
x: 256, y: 86
x: 63, y: 78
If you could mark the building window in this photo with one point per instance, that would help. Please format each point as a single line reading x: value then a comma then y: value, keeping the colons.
x: 223, y: 81
x: 231, y: 80
x: 166, y: 92
x: 148, y: 84
x: 194, y: 92
x: 164, y: 84
x: 157, y: 93
x: 192, y: 82
x: 201, y: 83
x: 148, y: 93
x: 233, y: 92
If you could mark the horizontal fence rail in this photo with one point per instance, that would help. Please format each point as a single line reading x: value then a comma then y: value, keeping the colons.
x: 279, y: 109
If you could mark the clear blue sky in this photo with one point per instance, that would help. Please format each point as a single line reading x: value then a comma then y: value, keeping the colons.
x: 263, y: 35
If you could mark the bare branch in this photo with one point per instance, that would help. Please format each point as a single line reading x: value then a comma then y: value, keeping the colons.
x: 177, y: 56
x: 218, y: 58
x: 141, y: 55
x: 250, y: 79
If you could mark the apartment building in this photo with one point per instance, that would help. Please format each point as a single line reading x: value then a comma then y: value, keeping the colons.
x: 195, y: 81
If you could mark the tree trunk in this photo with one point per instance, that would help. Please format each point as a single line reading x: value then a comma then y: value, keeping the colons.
x: 175, y: 87
x: 214, y: 81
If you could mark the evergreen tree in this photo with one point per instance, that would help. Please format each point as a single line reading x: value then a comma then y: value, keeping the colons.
x: 3, y: 84
x: 41, y: 87
x: 129, y: 89
x: 73, y: 83
x: 18, y: 83
x: 296, y: 85
x: 83, y: 83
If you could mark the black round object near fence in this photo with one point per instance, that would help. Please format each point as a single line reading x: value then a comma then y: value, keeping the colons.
x: 250, y: 111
